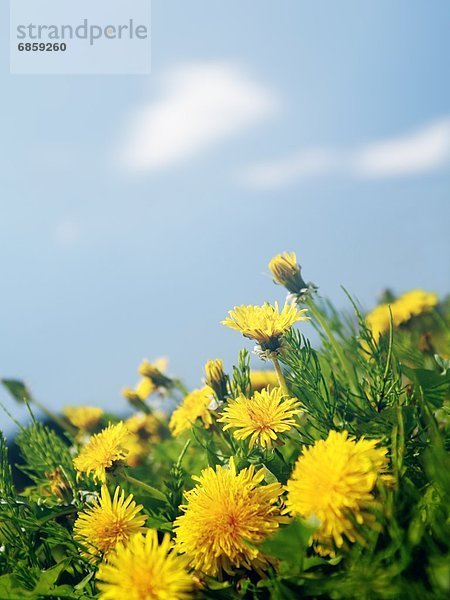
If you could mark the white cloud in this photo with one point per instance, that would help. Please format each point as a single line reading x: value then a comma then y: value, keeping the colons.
x: 420, y: 152
x: 200, y: 104
x: 423, y: 151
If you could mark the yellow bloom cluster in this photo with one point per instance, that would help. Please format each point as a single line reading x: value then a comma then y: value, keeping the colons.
x: 334, y: 482
x: 194, y: 406
x: 261, y: 417
x: 227, y: 515
x: 408, y: 305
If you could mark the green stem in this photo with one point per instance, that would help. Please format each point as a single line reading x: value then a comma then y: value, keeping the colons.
x: 334, y: 343
x: 62, y: 513
x: 65, y: 426
x: 281, y: 379
x: 151, y: 491
x: 180, y: 386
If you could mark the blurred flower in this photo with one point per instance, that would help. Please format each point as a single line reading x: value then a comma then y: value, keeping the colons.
x: 261, y: 417
x: 59, y: 486
x: 146, y: 427
x: 155, y: 371
x: 265, y: 324
x: 141, y: 391
x: 263, y: 379
x: 100, y: 527
x: 408, y: 305
x: 103, y: 451
x: 194, y: 406
x: 333, y: 481
x: 144, y: 431
x: 216, y: 378
x: 142, y: 569
x: 83, y: 417
x: 226, y: 516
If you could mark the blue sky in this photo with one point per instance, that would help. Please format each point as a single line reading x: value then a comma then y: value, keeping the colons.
x: 136, y: 210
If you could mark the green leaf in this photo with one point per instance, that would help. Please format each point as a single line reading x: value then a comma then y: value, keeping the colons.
x: 17, y: 389
x: 289, y: 543
x: 10, y: 588
x: 49, y: 577
x: 434, y: 386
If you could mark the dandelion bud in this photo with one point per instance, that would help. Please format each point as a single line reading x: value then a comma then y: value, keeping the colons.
x: 153, y: 372
x: 216, y: 378
x: 132, y: 396
x: 286, y: 272
x: 59, y: 486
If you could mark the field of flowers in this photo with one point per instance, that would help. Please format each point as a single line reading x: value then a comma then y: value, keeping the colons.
x: 323, y: 474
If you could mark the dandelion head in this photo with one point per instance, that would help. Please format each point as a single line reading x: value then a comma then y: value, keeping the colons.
x: 83, y: 417
x: 194, y: 406
x: 99, y: 528
x: 263, y: 379
x: 408, y: 305
x: 266, y: 324
x: 261, y: 418
x: 103, y: 451
x: 226, y: 516
x: 334, y: 482
x: 145, y: 426
x: 143, y: 569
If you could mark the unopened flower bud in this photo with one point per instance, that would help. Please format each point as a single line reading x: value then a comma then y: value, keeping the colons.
x: 286, y: 272
x: 216, y: 378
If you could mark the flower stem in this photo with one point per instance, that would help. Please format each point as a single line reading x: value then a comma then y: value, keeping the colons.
x: 151, y: 491
x: 281, y: 379
x: 334, y: 343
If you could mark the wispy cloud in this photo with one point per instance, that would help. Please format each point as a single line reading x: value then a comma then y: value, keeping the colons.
x: 422, y: 151
x: 199, y: 105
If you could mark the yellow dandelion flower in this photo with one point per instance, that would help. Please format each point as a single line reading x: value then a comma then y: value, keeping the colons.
x: 155, y: 371
x: 141, y: 391
x: 142, y: 569
x: 226, y: 516
x: 261, y: 417
x: 415, y: 302
x: 144, y: 388
x: 263, y: 379
x: 266, y: 324
x: 103, y: 451
x: 194, y: 406
x: 408, y: 305
x: 99, y: 528
x: 146, y: 427
x: 334, y: 481
x: 136, y: 449
x: 83, y: 417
